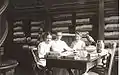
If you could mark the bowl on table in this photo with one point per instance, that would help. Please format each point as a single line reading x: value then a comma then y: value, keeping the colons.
x: 91, y: 49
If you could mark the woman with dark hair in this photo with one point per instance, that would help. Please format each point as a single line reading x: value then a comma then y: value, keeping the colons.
x: 43, y: 48
x: 45, y: 34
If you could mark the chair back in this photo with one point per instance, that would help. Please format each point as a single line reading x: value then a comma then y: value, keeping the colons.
x: 112, y: 58
x: 35, y: 54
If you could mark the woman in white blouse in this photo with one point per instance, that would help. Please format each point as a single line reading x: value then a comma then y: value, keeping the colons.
x: 58, y: 45
x: 43, y: 48
x: 78, y: 44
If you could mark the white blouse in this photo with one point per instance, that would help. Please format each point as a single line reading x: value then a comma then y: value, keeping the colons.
x: 43, y: 48
x: 59, y: 46
x: 78, y: 45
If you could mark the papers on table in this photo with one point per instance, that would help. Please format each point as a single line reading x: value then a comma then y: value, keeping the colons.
x: 67, y: 55
x: 76, y: 55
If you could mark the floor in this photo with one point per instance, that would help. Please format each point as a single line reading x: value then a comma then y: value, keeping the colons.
x: 22, y: 70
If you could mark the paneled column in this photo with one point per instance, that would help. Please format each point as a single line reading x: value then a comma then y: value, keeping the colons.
x: 0, y: 28
x: 101, y: 23
x: 48, y: 23
x: 98, y: 22
x: 72, y: 27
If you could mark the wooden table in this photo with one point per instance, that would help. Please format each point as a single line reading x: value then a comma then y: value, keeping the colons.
x: 83, y: 64
x: 7, y: 67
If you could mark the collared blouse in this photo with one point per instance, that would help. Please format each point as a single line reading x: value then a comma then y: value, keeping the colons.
x: 43, y: 48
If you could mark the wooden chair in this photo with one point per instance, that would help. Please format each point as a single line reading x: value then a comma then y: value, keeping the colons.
x: 101, y: 70
x: 38, y: 69
x: 112, y: 59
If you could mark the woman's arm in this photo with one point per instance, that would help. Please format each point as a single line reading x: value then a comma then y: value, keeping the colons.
x: 73, y: 45
x: 40, y: 51
x: 91, y: 40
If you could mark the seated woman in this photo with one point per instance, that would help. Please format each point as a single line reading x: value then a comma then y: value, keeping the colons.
x: 59, y: 46
x: 78, y: 43
x: 43, y: 48
x: 80, y: 46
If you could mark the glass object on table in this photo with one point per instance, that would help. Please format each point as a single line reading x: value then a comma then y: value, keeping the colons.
x: 100, y: 46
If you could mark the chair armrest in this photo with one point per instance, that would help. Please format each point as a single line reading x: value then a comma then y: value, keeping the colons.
x: 34, y: 48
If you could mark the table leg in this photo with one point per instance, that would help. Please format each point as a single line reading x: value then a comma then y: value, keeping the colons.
x: 75, y: 72
x: 70, y: 72
x: 80, y: 72
x: 49, y: 71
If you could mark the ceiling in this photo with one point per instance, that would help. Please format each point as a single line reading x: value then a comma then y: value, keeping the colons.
x: 64, y: 7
